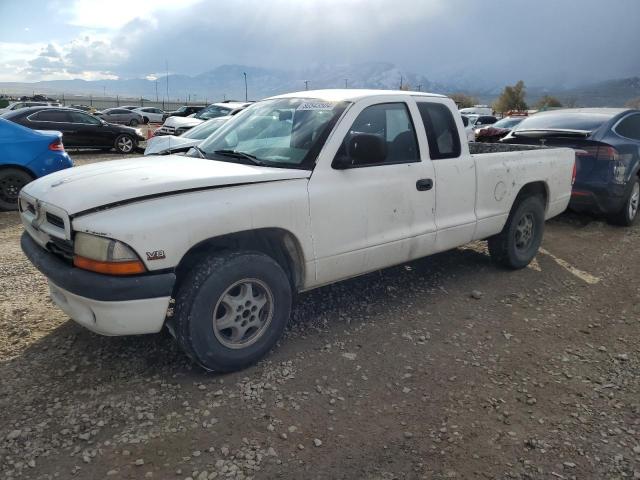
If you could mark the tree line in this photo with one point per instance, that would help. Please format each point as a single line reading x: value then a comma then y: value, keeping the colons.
x: 512, y: 98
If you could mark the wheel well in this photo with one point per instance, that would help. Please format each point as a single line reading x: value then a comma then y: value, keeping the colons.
x: 277, y: 243
x: 18, y: 167
x: 534, y: 188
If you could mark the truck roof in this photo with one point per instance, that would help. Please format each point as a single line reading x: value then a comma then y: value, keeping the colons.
x: 351, y: 94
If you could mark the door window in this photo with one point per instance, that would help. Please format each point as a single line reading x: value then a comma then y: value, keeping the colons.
x: 58, y: 116
x: 441, y: 129
x: 77, y: 117
x: 389, y: 126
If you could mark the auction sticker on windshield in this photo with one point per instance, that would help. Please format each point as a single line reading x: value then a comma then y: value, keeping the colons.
x: 316, y: 106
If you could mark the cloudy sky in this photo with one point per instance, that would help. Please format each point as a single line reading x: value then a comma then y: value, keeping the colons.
x: 544, y: 42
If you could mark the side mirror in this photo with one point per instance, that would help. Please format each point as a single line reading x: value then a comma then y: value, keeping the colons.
x: 366, y: 148
x: 363, y: 149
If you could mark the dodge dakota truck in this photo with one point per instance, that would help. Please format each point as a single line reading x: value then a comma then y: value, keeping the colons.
x: 295, y: 192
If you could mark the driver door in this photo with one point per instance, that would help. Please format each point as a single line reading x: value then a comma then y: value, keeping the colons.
x: 368, y: 216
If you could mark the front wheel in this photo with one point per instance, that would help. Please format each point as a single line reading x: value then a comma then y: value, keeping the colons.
x: 521, y: 237
x: 629, y: 213
x: 231, y: 309
x: 11, y: 182
x: 124, y: 144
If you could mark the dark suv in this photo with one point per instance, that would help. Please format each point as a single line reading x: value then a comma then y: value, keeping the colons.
x: 185, y: 110
x: 607, y: 145
x: 79, y: 129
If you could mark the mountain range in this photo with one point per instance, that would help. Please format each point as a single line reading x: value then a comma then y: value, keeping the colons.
x: 227, y: 81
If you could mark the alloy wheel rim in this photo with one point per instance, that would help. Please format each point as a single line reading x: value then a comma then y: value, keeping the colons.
x: 634, y: 201
x: 524, y: 232
x: 125, y: 144
x: 243, y: 313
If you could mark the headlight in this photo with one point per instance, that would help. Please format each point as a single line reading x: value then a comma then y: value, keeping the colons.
x: 105, y: 255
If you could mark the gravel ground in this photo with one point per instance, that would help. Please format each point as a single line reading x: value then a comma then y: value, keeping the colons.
x: 447, y: 367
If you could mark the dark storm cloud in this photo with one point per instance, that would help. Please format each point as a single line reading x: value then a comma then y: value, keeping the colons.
x: 543, y: 41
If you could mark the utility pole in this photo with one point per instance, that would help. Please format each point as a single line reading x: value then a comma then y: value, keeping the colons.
x: 167, y: 68
x: 400, y: 82
x: 306, y: 84
x: 246, y: 95
x: 346, y: 83
x: 156, y: 90
x: 104, y: 91
x: 420, y: 87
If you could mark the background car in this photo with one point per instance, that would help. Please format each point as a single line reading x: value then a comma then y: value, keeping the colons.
x: 121, y: 115
x: 85, y: 108
x: 496, y: 131
x: 25, y: 155
x: 152, y: 114
x: 80, y: 129
x: 178, y: 125
x: 607, y: 144
x: 18, y: 105
x: 129, y: 107
x: 186, y: 110
x: 468, y: 129
x: 165, y: 144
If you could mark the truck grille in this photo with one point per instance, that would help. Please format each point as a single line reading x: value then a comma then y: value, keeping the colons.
x: 55, y: 220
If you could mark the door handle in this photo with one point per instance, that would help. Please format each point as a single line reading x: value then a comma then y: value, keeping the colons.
x: 424, y: 184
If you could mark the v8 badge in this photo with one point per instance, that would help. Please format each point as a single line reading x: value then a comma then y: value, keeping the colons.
x: 156, y: 255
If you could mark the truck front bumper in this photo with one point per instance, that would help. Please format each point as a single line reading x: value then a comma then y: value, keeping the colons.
x: 105, y: 304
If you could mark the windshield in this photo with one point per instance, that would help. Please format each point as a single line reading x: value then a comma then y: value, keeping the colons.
x: 281, y: 132
x: 564, y: 121
x: 205, y: 129
x: 212, y: 111
x: 507, y: 123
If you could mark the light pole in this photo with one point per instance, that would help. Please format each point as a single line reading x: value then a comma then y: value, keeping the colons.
x: 156, y: 90
x: 246, y: 95
x: 306, y: 84
x: 346, y: 83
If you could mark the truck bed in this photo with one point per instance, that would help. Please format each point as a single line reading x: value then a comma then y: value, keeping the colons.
x: 479, y: 148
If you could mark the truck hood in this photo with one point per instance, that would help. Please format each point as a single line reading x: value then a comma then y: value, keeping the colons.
x: 182, y: 122
x: 88, y: 187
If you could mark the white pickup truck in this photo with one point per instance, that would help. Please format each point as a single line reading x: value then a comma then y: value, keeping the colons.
x: 295, y: 192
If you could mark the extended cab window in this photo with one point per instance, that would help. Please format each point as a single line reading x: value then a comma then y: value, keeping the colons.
x: 442, y: 132
x: 387, y: 125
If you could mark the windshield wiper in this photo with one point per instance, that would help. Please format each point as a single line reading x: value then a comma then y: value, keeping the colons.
x: 236, y: 154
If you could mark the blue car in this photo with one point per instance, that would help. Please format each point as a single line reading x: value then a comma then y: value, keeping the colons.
x: 25, y: 155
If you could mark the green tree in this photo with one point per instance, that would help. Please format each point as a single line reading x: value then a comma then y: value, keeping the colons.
x: 547, y: 102
x: 634, y: 103
x: 512, y: 98
x: 463, y: 100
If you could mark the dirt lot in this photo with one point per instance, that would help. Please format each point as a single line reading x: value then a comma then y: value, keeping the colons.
x: 443, y: 368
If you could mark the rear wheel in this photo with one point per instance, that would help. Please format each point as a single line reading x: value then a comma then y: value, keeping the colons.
x: 629, y: 213
x: 231, y: 309
x: 521, y: 237
x: 133, y: 122
x: 124, y: 144
x: 11, y: 182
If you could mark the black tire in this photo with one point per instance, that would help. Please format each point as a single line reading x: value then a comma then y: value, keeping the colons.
x: 145, y: 120
x: 125, y: 143
x: 629, y: 213
x: 133, y: 122
x: 512, y: 247
x: 11, y: 182
x: 201, y: 299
